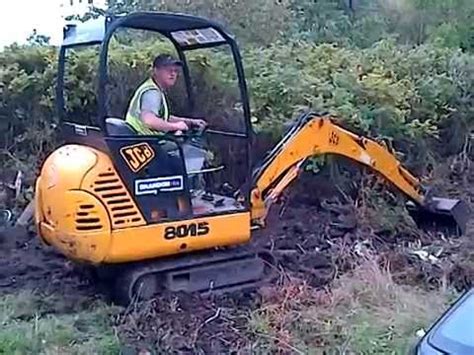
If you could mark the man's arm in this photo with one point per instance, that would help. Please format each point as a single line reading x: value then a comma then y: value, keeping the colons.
x: 157, y: 123
x: 188, y: 121
x: 149, y: 108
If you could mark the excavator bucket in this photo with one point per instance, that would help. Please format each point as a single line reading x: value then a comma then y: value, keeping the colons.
x: 449, y: 216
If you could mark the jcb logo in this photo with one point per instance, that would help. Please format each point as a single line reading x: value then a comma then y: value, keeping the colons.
x: 333, y: 138
x: 187, y: 230
x: 137, y: 156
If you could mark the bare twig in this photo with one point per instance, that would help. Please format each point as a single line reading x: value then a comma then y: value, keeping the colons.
x: 215, y: 316
x: 301, y: 248
x: 207, y: 321
x: 27, y: 215
x: 12, y: 157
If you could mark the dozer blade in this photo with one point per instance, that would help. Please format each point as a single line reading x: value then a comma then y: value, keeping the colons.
x: 214, y: 272
x: 449, y: 216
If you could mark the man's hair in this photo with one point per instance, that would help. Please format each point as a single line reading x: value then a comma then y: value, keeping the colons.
x: 164, y: 60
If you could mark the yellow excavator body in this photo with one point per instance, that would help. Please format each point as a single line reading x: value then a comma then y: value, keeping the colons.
x: 84, y: 210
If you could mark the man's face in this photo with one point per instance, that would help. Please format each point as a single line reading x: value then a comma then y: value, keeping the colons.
x: 167, y: 75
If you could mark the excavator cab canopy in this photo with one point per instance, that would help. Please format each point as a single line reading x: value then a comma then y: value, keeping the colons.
x: 203, y: 91
x: 185, y: 32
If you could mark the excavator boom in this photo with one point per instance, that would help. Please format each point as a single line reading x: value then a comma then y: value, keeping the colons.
x: 315, y: 135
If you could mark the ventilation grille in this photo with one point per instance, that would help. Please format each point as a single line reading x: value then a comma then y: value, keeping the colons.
x: 87, y: 219
x: 120, y: 206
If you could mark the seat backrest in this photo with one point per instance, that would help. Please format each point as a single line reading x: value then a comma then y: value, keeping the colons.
x: 118, y: 127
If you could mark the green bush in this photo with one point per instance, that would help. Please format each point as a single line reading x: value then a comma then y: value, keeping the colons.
x: 448, y: 23
x: 26, y: 105
x: 405, y: 94
x: 416, y: 97
x: 259, y: 22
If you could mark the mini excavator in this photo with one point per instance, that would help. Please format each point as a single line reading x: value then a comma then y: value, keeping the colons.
x: 123, y: 204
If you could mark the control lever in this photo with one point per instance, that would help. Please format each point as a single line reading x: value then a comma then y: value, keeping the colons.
x: 208, y: 183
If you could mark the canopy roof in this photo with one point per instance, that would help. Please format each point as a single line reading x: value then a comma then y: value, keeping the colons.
x: 185, y: 30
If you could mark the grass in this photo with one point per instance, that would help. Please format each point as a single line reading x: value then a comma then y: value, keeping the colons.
x: 365, y: 312
x: 26, y: 327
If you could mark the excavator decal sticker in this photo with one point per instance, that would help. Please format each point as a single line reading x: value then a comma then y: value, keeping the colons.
x: 187, y: 230
x: 161, y: 184
x: 137, y: 156
x: 333, y: 138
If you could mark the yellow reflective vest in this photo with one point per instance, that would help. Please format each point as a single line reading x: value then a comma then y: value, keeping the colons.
x: 133, y: 113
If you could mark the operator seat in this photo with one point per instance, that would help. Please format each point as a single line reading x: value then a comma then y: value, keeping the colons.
x: 118, y: 127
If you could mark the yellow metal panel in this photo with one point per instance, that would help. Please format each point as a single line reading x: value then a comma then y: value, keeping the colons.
x: 78, y: 226
x: 104, y: 182
x: 177, y: 237
x: 65, y: 168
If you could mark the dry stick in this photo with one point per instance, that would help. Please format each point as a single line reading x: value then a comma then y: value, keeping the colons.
x: 301, y: 248
x: 26, y: 215
x: 208, y: 320
x: 6, y: 152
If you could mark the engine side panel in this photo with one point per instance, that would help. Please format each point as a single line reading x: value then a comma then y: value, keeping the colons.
x: 104, y: 182
x: 79, y: 228
x: 61, y: 173
x: 178, y: 237
x: 79, y: 199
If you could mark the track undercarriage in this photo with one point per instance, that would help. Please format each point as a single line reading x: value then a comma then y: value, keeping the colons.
x: 216, y: 272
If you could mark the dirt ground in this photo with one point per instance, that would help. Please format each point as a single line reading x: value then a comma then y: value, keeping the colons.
x: 306, y: 243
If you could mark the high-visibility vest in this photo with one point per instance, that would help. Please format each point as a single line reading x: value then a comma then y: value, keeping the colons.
x: 133, y: 113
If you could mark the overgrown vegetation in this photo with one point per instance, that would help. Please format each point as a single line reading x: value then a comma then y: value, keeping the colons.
x: 418, y: 97
x: 365, y: 312
x: 358, y: 23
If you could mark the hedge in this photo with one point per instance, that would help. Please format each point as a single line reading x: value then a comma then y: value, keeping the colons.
x: 420, y: 98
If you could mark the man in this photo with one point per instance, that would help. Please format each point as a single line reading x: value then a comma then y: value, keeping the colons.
x: 148, y: 111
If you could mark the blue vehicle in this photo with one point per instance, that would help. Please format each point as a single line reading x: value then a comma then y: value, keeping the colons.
x: 453, y: 332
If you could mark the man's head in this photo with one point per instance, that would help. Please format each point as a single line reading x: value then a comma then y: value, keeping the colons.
x: 166, y: 70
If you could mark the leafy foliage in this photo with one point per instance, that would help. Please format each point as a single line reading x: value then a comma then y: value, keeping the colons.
x: 26, y: 104
x: 365, y: 22
x: 405, y: 94
x: 413, y: 96
x: 345, y: 57
x: 253, y: 21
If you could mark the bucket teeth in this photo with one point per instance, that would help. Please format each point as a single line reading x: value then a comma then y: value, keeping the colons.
x: 441, y: 214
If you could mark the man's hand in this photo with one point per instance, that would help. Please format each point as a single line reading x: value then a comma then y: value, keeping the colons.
x: 198, y: 122
x: 180, y: 126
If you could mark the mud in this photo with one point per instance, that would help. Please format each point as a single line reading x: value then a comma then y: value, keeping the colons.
x: 305, y: 241
x: 27, y: 265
